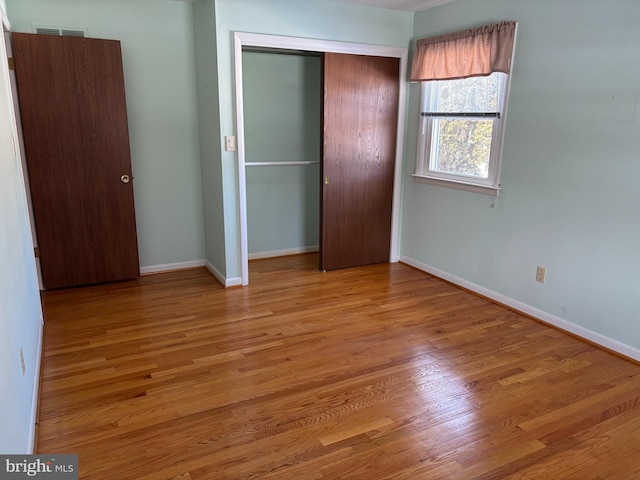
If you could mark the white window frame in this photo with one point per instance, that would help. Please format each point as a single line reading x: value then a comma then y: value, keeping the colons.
x: 423, y: 172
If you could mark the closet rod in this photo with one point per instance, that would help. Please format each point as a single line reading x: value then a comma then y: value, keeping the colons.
x: 278, y: 164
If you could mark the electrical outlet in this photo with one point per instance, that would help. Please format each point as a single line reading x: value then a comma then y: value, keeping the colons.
x: 541, y: 273
x: 24, y: 368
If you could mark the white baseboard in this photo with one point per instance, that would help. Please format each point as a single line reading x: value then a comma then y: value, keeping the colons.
x: 233, y: 282
x: 168, y: 267
x: 536, y: 313
x: 36, y: 392
x: 284, y: 253
x: 221, y: 279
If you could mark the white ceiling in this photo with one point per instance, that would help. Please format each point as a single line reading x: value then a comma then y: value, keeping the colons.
x: 407, y: 5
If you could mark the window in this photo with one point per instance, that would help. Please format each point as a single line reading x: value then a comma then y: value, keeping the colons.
x: 464, y: 81
x: 460, y: 131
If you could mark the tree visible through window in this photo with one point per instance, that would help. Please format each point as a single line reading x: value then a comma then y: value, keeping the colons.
x: 459, y: 120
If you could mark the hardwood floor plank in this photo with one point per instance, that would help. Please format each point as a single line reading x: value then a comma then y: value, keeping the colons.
x: 378, y: 372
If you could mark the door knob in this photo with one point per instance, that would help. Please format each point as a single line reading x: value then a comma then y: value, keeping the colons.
x: 125, y: 179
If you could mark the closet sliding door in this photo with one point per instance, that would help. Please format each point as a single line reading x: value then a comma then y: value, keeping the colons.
x: 360, y: 131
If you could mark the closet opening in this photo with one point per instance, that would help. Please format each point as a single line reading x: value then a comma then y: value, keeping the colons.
x: 266, y: 156
x: 282, y: 91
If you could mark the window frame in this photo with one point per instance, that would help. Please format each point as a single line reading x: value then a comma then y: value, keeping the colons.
x: 423, y: 172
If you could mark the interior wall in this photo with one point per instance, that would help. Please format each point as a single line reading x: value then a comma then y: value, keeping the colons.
x: 204, y: 17
x: 20, y: 309
x: 159, y: 68
x: 316, y: 19
x: 570, y: 164
x: 282, y: 112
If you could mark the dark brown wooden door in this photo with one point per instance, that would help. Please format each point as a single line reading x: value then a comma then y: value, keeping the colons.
x: 360, y: 130
x: 72, y: 101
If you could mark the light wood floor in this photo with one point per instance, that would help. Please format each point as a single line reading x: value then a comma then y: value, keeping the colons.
x: 371, y: 373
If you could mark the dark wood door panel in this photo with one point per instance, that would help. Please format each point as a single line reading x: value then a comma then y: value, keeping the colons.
x: 72, y: 101
x: 360, y: 132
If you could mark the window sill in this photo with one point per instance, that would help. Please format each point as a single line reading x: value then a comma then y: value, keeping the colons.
x: 468, y: 186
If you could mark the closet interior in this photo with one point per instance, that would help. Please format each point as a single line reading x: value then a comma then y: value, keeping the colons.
x: 283, y: 147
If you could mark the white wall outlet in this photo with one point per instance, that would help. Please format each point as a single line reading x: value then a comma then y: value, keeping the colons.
x: 230, y: 143
x: 541, y: 273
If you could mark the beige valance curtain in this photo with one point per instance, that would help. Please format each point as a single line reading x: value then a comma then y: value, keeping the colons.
x: 475, y: 52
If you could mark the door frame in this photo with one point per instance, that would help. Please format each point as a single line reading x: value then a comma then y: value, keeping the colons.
x: 6, y: 32
x: 243, y: 39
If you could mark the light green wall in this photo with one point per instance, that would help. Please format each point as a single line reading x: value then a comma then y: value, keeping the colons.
x: 20, y: 311
x: 159, y: 67
x: 282, y: 112
x: 316, y: 19
x: 570, y: 168
x: 209, y: 126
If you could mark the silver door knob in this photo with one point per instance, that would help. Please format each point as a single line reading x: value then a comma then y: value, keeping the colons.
x: 125, y: 179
